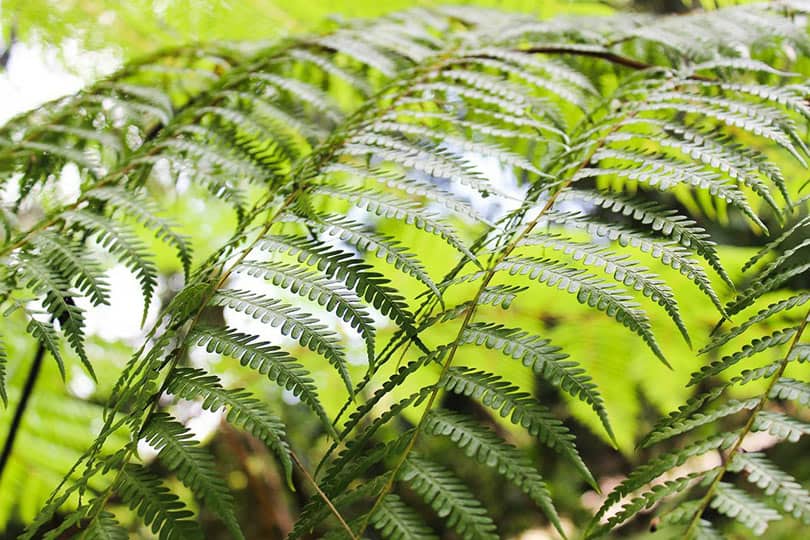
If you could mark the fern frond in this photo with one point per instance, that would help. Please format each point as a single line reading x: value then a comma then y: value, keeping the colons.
x: 267, y: 359
x: 75, y: 265
x: 291, y: 322
x: 500, y: 295
x: 670, y: 254
x: 781, y: 425
x: 123, y: 244
x: 336, y: 264
x: 145, y: 213
x: 545, y: 359
x: 394, y: 208
x: 160, y: 509
x: 767, y: 123
x: 758, y: 288
x: 382, y: 246
x: 761, y: 472
x: 737, y: 504
x: 59, y: 303
x: 395, y: 520
x: 648, y: 499
x: 690, y: 422
x: 487, y: 448
x: 773, y: 244
x: 521, y: 409
x: 105, y: 527
x: 791, y: 389
x: 590, y: 290
x: 242, y: 410
x: 449, y: 498
x: 46, y: 335
x: 660, y: 219
x: 623, y: 270
x: 761, y: 316
x: 776, y: 339
x: 193, y: 465
x: 660, y: 465
x: 412, y: 186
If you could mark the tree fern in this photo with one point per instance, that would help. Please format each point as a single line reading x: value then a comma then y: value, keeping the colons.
x: 339, y: 192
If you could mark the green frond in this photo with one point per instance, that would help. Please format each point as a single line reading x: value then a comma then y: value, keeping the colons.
x: 329, y: 295
x: 328, y: 65
x: 737, y: 162
x: 646, y: 473
x: 758, y: 288
x: 356, y: 460
x: 123, y: 244
x: 679, y: 417
x: 665, y: 173
x: 342, y: 266
x: 488, y: 89
x: 489, y: 449
x: 291, y: 322
x: 686, y: 423
x: 76, y: 267
x: 160, y: 509
x: 590, y: 290
x: 671, y: 254
x: 786, y: 491
x: 521, y: 409
x: 791, y: 389
x: 736, y: 503
x: 620, y: 268
x: 395, y: 520
x: 761, y: 316
x: 781, y: 425
x: 193, y: 465
x: 779, y: 263
x: 382, y: 246
x: 105, y: 527
x: 649, y: 499
x: 58, y: 302
x: 267, y: 359
x: 46, y: 335
x: 146, y: 213
x: 243, y: 410
x: 741, y: 115
x: 459, y: 144
x: 774, y: 243
x: 394, y: 208
x: 304, y: 92
x: 664, y: 221
x: 500, y: 295
x: 395, y: 380
x: 545, y: 359
x: 776, y: 339
x: 449, y: 498
x: 411, y: 186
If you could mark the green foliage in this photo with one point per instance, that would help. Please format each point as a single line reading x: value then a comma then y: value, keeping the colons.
x: 368, y: 237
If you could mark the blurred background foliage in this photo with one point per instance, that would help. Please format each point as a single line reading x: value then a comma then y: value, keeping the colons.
x: 63, y: 417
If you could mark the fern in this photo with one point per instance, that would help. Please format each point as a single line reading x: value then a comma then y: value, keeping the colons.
x: 757, y: 413
x: 352, y: 158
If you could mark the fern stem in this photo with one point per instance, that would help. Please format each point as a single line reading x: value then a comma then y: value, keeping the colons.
x: 470, y: 312
x: 19, y: 412
x: 749, y: 424
x: 323, y: 495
